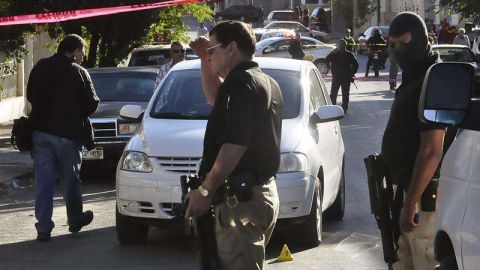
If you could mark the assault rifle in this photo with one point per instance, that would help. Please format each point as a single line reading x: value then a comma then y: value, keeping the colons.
x: 384, y: 206
x: 201, y: 229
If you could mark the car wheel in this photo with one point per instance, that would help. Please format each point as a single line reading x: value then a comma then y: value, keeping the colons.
x: 129, y: 232
x: 337, y: 210
x: 322, y: 66
x: 311, y: 229
x: 448, y: 263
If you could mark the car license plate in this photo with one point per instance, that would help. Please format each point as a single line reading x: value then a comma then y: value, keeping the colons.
x: 93, y: 154
x: 375, y: 57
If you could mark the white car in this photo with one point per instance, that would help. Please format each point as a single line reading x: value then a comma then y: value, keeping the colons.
x: 169, y: 144
x: 315, y: 51
x: 456, y: 53
x: 297, y: 27
x: 457, y: 237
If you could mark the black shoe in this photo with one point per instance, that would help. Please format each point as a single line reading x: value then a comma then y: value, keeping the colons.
x: 43, y: 236
x: 87, y: 218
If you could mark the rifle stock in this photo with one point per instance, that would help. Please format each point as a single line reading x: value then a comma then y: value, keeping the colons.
x: 201, y: 229
x: 382, y: 206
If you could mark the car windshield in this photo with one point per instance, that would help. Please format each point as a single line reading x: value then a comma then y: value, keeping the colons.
x: 456, y: 55
x: 293, y: 26
x: 124, y: 86
x: 155, y: 57
x: 284, y: 16
x: 181, y: 95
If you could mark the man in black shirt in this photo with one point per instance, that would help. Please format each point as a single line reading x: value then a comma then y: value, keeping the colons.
x: 241, y: 145
x: 344, y: 66
x: 412, y: 150
x: 62, y: 97
x: 296, y: 49
x: 375, y: 43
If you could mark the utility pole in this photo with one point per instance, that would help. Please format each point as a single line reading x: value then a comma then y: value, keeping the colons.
x: 378, y: 12
x: 355, y: 16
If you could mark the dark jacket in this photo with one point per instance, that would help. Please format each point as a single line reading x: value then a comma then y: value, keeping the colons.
x: 62, y: 97
x: 376, y: 42
x: 344, y: 64
x: 296, y: 50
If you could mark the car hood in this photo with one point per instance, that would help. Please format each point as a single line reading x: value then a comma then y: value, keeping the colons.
x: 112, y: 109
x: 184, y: 138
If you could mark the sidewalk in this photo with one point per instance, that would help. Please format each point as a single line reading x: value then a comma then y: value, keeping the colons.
x: 13, y: 164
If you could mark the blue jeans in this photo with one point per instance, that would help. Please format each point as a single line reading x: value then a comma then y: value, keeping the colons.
x: 55, y: 157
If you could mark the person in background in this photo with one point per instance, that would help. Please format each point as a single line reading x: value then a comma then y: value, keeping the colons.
x: 305, y: 18
x: 461, y: 38
x: 62, y: 97
x: 201, y: 30
x: 296, y: 48
x: 177, y: 54
x: 351, y: 45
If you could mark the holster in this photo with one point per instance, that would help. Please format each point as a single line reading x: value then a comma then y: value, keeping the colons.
x: 429, y: 197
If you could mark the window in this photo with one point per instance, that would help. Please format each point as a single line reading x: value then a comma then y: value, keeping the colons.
x: 279, y: 46
x: 308, y: 44
x: 317, y: 98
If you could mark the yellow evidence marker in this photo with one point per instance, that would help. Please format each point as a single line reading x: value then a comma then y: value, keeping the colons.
x: 285, y: 255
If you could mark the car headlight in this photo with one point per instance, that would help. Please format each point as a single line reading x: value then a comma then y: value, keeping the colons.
x: 293, y: 162
x: 136, y: 162
x: 127, y: 128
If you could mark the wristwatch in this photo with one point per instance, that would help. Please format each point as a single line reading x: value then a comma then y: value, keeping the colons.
x: 203, y: 191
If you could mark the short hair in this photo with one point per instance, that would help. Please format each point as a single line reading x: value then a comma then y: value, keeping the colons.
x: 70, y: 43
x: 461, y: 30
x: 177, y: 44
x: 227, y: 31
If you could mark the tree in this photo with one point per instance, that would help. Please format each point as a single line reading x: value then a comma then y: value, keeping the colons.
x: 111, y: 38
x: 468, y: 8
x: 365, y: 8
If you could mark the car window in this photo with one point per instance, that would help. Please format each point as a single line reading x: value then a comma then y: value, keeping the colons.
x: 149, y: 58
x: 279, y: 46
x: 181, y: 95
x: 316, y: 94
x: 456, y: 55
x: 124, y: 86
x: 283, y: 16
x: 308, y: 44
x: 293, y: 26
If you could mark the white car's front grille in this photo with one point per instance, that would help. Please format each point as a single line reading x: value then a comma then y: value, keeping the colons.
x: 180, y: 164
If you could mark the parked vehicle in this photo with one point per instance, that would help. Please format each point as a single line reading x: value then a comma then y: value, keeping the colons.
x: 297, y: 27
x: 154, y: 55
x: 450, y: 97
x: 362, y: 40
x: 169, y: 144
x: 315, y: 51
x: 116, y: 87
x: 457, y: 53
x: 281, y: 15
x: 248, y: 14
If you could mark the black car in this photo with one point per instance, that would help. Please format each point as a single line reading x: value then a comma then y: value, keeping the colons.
x: 116, y: 87
x: 241, y: 13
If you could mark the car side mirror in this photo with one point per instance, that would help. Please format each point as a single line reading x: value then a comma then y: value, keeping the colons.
x: 267, y: 50
x: 131, y: 112
x: 327, y: 113
x: 447, y: 93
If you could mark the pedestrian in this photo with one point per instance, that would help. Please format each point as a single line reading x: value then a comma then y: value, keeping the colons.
x: 201, y: 30
x: 300, y: 14
x: 305, y: 18
x: 351, y: 45
x: 242, y: 141
x: 461, y: 38
x: 177, y: 54
x: 375, y: 43
x: 412, y: 150
x: 62, y: 97
x: 296, y: 49
x: 476, y: 45
x: 344, y: 66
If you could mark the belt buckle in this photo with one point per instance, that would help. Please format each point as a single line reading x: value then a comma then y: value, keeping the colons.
x: 232, y: 201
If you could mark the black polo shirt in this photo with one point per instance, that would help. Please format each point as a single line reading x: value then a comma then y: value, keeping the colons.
x: 242, y: 115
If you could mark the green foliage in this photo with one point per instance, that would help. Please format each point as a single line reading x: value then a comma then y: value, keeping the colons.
x: 365, y: 8
x: 468, y: 8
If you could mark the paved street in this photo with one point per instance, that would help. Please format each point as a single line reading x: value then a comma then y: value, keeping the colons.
x: 353, y: 243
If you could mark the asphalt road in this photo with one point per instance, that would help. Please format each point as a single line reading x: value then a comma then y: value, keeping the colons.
x: 353, y: 243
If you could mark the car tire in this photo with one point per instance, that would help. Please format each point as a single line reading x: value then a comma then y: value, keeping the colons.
x: 337, y: 210
x: 322, y: 66
x: 129, y: 232
x: 448, y: 263
x: 311, y: 229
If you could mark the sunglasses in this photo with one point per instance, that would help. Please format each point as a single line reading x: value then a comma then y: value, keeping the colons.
x: 177, y: 51
x: 212, y: 48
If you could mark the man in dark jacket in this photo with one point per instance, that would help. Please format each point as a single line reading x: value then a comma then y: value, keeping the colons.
x: 296, y: 48
x: 62, y: 97
x: 375, y: 43
x: 344, y: 66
